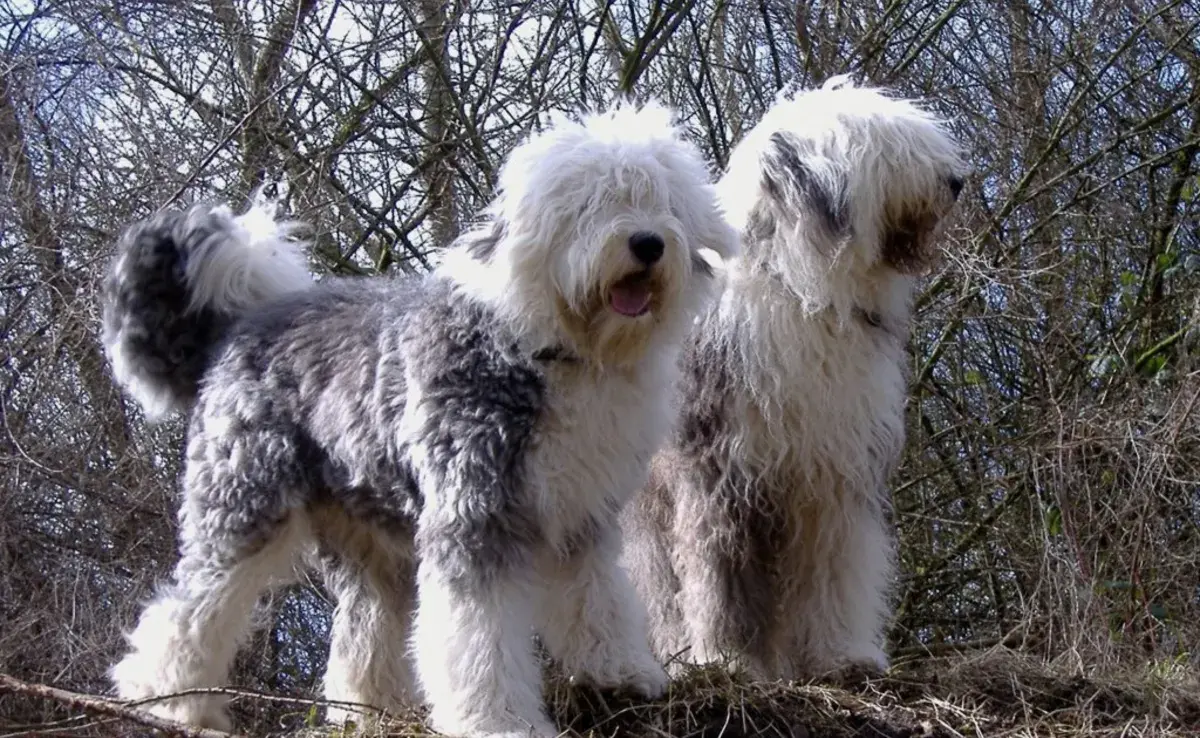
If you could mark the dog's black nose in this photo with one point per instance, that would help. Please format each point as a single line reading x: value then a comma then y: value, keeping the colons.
x: 956, y: 186
x: 647, y: 247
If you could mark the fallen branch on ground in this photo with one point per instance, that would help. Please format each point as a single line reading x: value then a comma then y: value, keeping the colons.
x: 94, y: 705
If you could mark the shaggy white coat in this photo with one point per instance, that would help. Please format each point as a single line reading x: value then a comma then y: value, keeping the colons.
x: 420, y: 614
x: 764, y: 536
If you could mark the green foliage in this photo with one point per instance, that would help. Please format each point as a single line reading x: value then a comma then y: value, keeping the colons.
x: 1054, y: 521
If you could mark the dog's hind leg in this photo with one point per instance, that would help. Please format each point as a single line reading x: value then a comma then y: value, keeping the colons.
x: 241, y: 527
x: 595, y: 624
x: 372, y: 575
x: 188, y: 635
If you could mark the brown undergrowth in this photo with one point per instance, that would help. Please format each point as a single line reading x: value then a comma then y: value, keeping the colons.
x: 997, y: 693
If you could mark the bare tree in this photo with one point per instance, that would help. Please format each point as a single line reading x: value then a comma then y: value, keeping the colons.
x: 1051, y: 491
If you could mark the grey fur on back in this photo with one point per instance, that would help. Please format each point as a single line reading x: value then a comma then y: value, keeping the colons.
x: 314, y: 385
x: 305, y: 389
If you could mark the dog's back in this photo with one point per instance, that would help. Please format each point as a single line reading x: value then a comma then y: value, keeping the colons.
x: 323, y: 369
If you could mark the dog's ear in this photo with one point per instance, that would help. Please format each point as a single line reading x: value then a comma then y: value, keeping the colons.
x: 908, y: 240
x: 481, y: 244
x: 804, y: 184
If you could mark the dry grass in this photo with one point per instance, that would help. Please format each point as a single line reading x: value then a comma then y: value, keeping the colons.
x: 997, y: 693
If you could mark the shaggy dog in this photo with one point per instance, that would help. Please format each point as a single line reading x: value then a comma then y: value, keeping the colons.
x: 763, y: 535
x: 459, y: 446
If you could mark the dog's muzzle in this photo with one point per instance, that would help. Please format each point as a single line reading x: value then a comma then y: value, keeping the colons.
x: 647, y: 247
x: 632, y: 296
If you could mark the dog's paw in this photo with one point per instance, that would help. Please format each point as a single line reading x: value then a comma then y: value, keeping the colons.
x: 134, y: 678
x: 649, y: 680
x: 198, y: 712
x: 858, y: 669
x: 868, y: 658
x: 534, y: 732
x: 677, y: 668
x: 635, y: 672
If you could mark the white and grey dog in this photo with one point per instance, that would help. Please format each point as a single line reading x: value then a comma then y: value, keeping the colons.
x: 763, y: 534
x: 460, y: 445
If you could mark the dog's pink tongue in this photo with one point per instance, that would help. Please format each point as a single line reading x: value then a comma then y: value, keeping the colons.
x: 630, y: 299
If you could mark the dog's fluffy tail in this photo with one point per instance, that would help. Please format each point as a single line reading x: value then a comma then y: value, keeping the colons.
x: 178, y: 280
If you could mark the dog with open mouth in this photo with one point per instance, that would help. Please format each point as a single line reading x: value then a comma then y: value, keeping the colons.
x: 453, y: 450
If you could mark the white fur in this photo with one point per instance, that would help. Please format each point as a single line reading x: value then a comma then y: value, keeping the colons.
x: 188, y: 635
x: 569, y: 200
x: 473, y: 650
x: 371, y: 579
x: 827, y: 391
x: 476, y: 660
x: 817, y: 413
x: 596, y: 626
x: 571, y: 197
x: 593, y: 622
x: 580, y: 602
x: 886, y: 154
x: 258, y: 264
x: 826, y: 411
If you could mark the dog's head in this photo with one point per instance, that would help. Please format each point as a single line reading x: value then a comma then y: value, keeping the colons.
x: 600, y: 227
x: 843, y: 178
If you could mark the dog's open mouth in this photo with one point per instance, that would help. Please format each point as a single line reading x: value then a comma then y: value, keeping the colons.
x: 632, y: 295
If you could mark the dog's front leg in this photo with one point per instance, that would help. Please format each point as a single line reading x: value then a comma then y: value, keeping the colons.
x: 840, y: 620
x: 595, y: 624
x: 473, y: 645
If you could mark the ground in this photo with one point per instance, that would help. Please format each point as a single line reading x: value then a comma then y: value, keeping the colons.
x: 998, y: 692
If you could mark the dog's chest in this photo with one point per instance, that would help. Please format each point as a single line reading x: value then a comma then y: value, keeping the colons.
x: 593, y: 451
x: 827, y: 404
